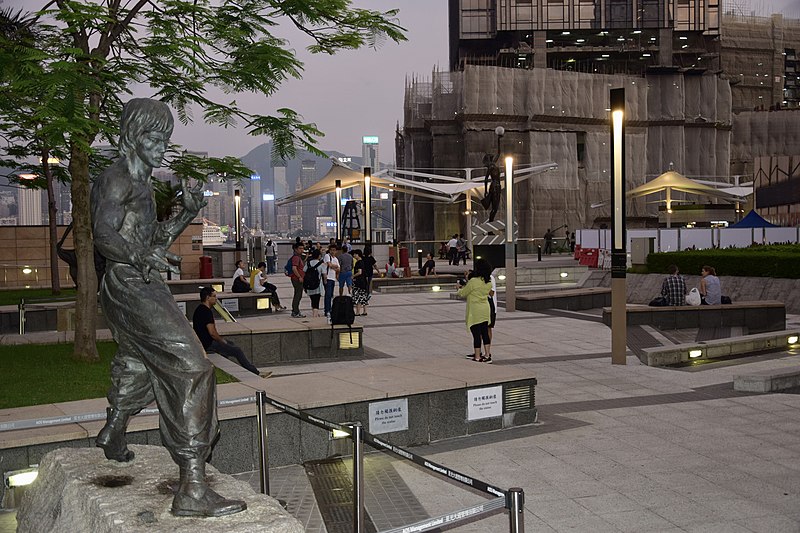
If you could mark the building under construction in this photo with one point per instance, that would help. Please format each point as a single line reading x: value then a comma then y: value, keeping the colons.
x: 553, y: 102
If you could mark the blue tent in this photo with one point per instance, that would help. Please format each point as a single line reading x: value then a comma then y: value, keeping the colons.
x: 753, y: 220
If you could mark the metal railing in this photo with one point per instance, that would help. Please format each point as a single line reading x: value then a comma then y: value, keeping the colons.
x: 512, y: 499
x: 37, y: 303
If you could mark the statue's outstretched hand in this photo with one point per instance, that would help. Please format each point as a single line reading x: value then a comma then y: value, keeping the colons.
x: 159, y: 259
x: 192, y: 197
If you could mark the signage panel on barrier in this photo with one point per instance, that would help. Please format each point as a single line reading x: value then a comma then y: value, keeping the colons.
x: 484, y: 403
x: 182, y: 307
x: 231, y: 305
x: 388, y: 416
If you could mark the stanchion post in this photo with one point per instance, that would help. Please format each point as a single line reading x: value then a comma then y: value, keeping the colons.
x: 263, y: 453
x: 516, y: 510
x: 22, y: 317
x: 358, y: 478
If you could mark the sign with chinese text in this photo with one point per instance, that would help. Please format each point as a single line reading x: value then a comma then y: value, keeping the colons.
x: 484, y: 403
x: 388, y: 416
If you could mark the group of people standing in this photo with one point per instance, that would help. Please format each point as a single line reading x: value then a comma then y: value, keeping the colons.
x: 457, y: 249
x: 318, y: 273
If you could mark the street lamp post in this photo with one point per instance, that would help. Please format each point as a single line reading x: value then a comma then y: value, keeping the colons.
x: 394, y: 220
x: 237, y: 209
x: 511, y: 273
x: 367, y: 204
x: 338, y: 208
x: 619, y: 253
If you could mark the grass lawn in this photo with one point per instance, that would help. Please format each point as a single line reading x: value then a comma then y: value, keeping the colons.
x: 45, y: 373
x: 13, y: 296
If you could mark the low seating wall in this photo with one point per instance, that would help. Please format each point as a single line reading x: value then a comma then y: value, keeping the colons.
x: 757, y: 317
x: 569, y: 299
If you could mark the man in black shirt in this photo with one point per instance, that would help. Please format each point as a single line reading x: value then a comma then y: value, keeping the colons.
x: 206, y: 330
x: 429, y: 268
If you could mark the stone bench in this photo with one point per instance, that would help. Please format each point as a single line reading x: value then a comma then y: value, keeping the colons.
x: 757, y: 317
x: 192, y: 286
x: 247, y: 303
x: 768, y: 380
x: 410, y: 284
x: 569, y: 299
x: 675, y: 354
x: 282, y: 339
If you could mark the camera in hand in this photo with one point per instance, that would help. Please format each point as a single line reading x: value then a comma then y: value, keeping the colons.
x: 461, y: 282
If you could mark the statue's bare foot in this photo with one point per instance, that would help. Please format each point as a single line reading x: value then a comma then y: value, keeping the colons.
x: 112, y: 437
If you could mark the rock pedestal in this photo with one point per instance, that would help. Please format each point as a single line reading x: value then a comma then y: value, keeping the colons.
x: 79, y: 490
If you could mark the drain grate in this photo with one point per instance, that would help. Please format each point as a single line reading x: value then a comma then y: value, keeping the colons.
x: 333, y: 489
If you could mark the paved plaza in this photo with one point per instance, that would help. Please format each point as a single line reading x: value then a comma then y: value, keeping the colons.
x: 617, y: 448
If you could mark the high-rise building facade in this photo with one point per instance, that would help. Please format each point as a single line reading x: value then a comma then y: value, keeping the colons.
x: 29, y: 206
x: 309, y: 208
x: 758, y: 55
x: 255, y: 221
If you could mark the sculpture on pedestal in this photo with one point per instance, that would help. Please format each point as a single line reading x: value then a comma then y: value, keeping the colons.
x: 492, y: 188
x: 159, y: 356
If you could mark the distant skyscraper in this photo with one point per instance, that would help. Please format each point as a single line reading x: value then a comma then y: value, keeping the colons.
x: 308, y: 208
x: 256, y: 221
x: 29, y: 207
x: 281, y: 190
x: 369, y: 153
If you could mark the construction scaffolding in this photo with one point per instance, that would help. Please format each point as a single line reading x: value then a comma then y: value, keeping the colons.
x: 675, y: 120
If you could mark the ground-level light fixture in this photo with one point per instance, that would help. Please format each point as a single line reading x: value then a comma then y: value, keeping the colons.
x: 564, y: 274
x: 792, y: 339
x: 27, y: 270
x: 20, y: 478
x: 694, y: 354
x: 339, y: 434
x: 436, y: 288
x: 501, y: 277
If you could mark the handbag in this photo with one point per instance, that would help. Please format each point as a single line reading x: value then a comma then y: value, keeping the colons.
x: 693, y: 298
x: 658, y: 301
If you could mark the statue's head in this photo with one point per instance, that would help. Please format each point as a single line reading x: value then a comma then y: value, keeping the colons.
x: 145, y: 128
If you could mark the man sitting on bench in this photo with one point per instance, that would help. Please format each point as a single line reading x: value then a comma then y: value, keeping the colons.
x: 203, y: 322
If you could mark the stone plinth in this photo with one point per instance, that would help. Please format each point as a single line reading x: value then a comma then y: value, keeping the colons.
x: 79, y: 490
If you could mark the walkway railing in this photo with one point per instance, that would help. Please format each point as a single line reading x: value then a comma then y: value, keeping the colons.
x: 512, y: 499
x: 37, y: 303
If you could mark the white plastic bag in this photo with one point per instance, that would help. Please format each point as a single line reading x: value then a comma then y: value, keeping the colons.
x: 693, y: 298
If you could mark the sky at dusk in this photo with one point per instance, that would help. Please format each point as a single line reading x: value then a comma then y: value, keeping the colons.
x: 360, y: 92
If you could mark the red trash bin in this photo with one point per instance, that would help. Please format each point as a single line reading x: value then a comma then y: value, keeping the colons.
x: 206, y: 271
x: 404, y: 257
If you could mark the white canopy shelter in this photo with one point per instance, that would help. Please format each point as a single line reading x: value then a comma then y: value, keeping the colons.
x: 389, y: 179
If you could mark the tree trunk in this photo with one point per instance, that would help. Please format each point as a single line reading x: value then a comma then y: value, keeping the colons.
x: 85, y: 348
x: 55, y: 282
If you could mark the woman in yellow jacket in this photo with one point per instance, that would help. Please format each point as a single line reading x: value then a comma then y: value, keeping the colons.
x: 476, y: 292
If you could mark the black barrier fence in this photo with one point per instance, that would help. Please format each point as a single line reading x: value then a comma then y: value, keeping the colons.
x: 512, y: 499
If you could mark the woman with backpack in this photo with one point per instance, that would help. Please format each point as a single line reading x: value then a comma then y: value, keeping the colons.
x: 312, y: 280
